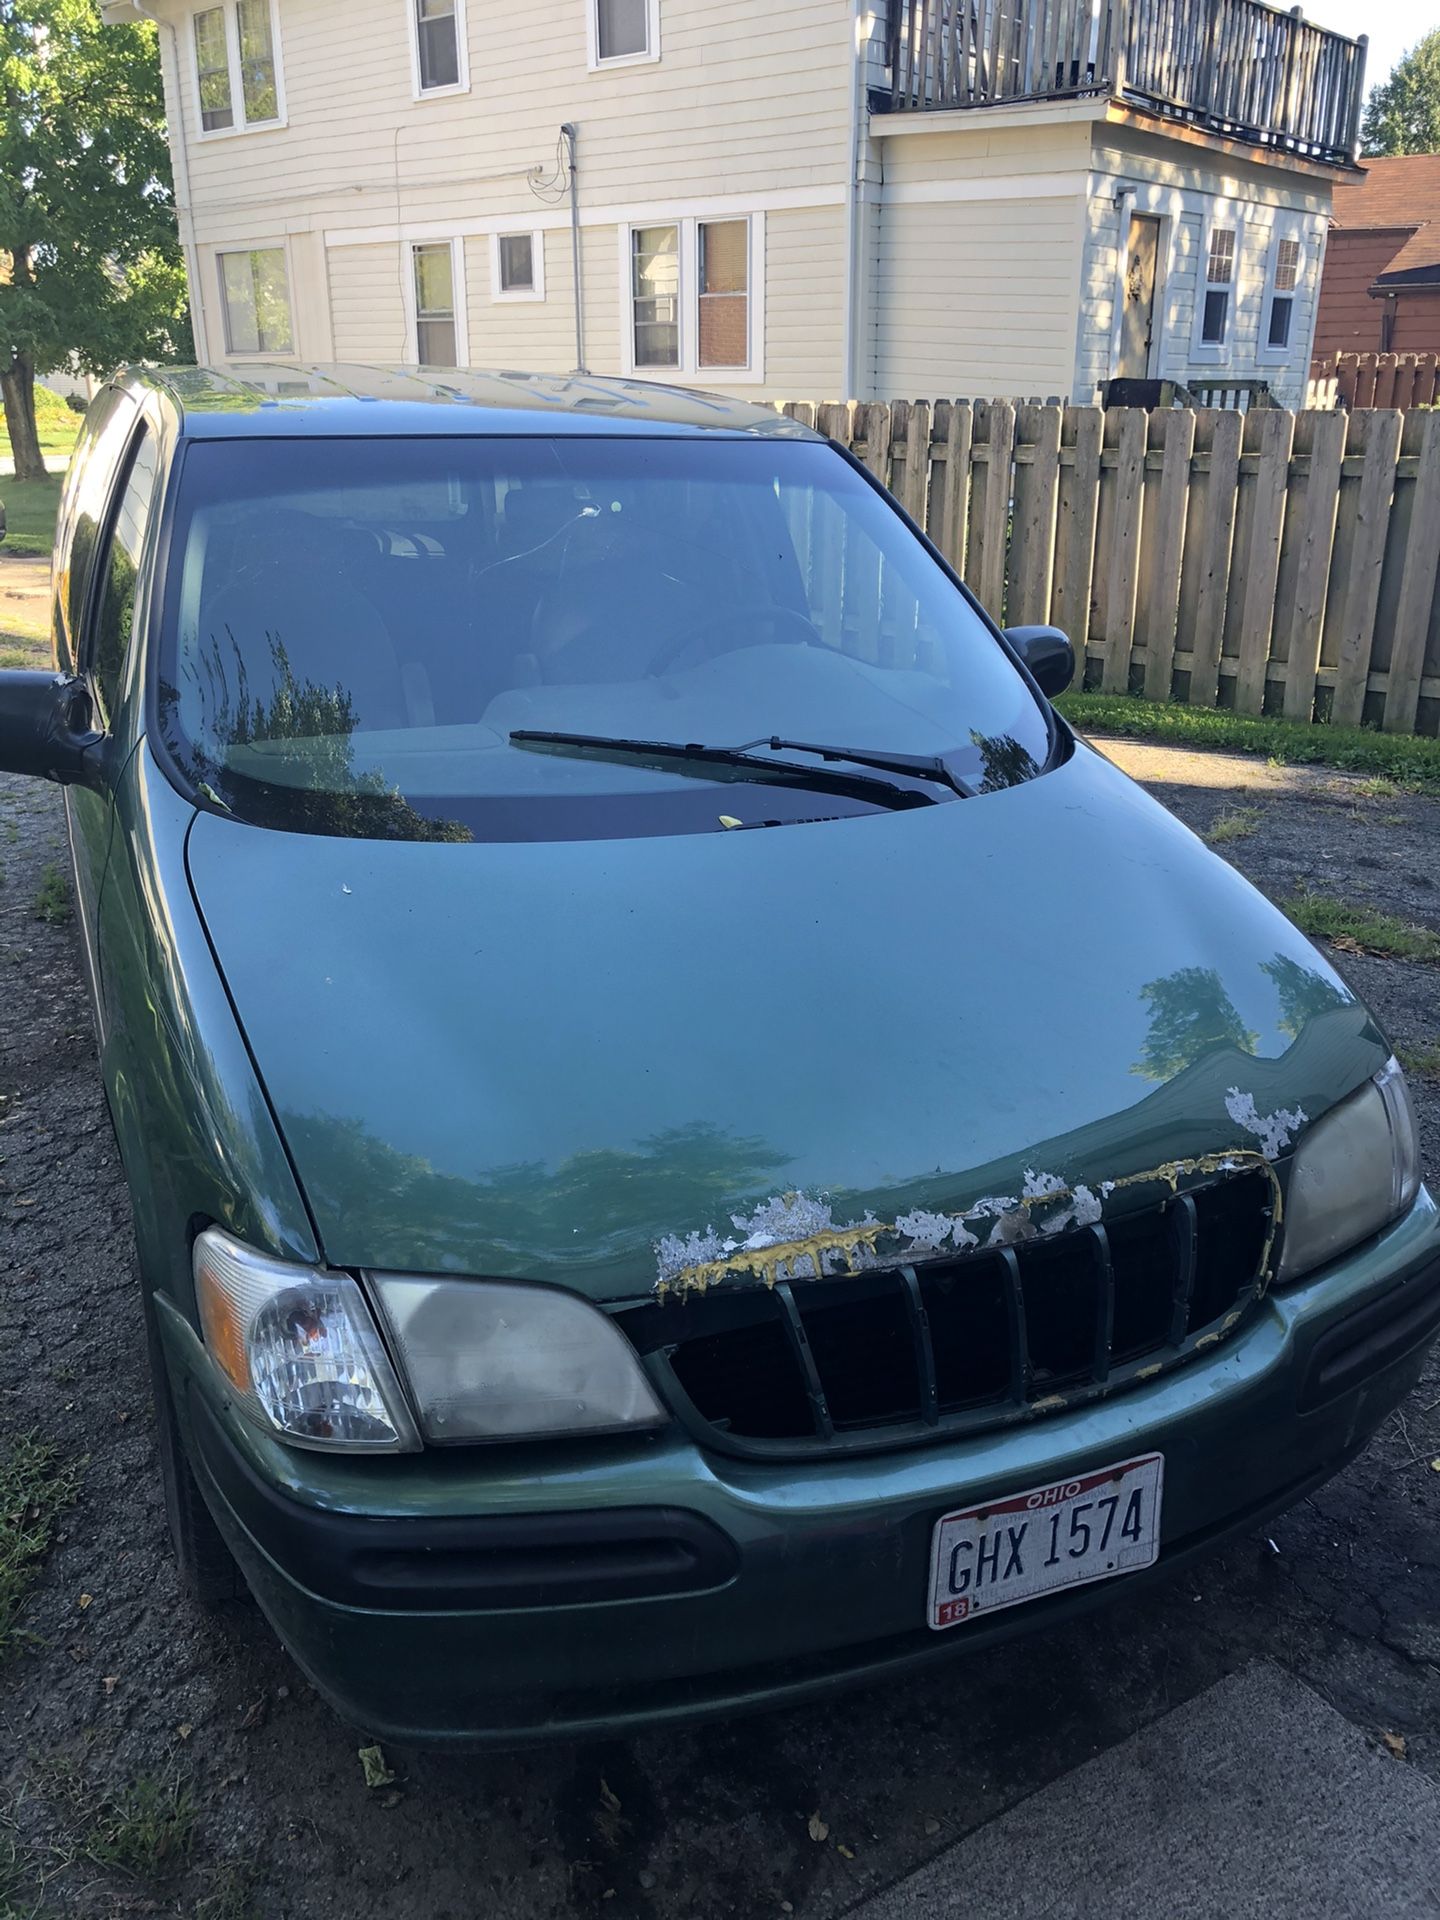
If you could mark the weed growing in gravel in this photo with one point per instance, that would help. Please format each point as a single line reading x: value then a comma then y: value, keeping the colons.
x: 1410, y: 761
x: 52, y: 898
x: 146, y: 1828
x: 1236, y: 823
x: 231, y: 1895
x: 1423, y: 1062
x: 1377, y: 787
x: 1363, y: 929
x: 35, y: 1488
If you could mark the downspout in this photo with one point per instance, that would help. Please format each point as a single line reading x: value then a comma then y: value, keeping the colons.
x: 180, y: 155
x: 568, y: 133
x: 849, y: 350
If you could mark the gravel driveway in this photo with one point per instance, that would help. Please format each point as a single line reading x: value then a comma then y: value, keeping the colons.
x: 238, y: 1793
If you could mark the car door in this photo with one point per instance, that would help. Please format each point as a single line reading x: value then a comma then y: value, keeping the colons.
x: 115, y: 497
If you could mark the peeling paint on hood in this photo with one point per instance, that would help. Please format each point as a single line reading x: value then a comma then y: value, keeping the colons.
x: 794, y: 1236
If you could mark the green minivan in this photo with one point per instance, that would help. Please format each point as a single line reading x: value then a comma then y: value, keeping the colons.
x: 690, y: 1143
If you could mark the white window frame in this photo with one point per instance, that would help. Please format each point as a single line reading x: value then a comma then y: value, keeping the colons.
x: 279, y: 245
x: 237, y: 93
x: 689, y: 372
x: 592, y: 40
x: 1222, y: 214
x: 462, y: 52
x: 456, y: 244
x: 1284, y: 229
x: 536, y: 291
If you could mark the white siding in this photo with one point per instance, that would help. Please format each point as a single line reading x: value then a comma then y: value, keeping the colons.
x: 748, y: 103
x: 979, y: 254
x: 1185, y: 186
x: 367, y: 303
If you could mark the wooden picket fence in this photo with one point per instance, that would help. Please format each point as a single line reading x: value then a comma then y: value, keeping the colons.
x: 1271, y: 561
x: 1375, y: 380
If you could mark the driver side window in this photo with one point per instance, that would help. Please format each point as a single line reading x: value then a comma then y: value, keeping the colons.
x: 113, y: 619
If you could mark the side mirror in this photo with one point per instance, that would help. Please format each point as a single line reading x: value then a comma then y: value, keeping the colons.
x: 1048, y: 654
x: 47, y: 726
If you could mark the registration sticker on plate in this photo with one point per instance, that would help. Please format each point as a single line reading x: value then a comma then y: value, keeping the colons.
x: 1090, y: 1528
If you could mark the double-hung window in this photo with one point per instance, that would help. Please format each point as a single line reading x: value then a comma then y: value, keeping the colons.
x: 438, y: 46
x: 1217, y: 289
x: 255, y: 295
x: 1287, y: 261
x: 623, y: 32
x: 237, y: 66
x: 691, y: 298
x: 437, y: 328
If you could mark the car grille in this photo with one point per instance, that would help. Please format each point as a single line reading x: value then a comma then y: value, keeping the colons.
x: 897, y: 1355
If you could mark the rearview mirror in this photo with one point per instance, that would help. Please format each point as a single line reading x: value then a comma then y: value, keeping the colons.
x: 1048, y: 654
x: 47, y: 726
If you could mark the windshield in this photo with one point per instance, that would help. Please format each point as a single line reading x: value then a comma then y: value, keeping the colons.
x: 354, y: 629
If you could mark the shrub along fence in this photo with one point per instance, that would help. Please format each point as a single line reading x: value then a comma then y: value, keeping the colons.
x: 1271, y: 562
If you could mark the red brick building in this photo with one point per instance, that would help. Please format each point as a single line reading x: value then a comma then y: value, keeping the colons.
x: 1380, y: 291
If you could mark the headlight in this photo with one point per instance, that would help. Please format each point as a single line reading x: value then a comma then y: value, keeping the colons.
x: 493, y: 1360
x: 1353, y: 1173
x: 300, y: 1349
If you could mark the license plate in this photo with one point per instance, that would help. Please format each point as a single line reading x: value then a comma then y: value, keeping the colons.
x: 1013, y: 1549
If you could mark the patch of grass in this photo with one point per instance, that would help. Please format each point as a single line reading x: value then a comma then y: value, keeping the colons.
x: 1377, y: 787
x: 145, y: 1829
x: 1363, y: 929
x: 52, y: 898
x: 36, y: 1486
x: 1408, y: 761
x: 1422, y: 1062
x: 1236, y: 823
x: 231, y: 1894
x: 30, y: 509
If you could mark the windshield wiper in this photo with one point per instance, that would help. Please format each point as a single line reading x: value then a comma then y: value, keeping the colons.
x: 920, y: 766
x: 724, y: 763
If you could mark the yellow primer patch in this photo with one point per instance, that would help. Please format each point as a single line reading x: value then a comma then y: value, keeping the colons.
x: 765, y: 1263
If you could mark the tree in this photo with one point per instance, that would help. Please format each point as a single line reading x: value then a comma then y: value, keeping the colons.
x: 90, y: 267
x: 1191, y: 1015
x: 1402, y: 114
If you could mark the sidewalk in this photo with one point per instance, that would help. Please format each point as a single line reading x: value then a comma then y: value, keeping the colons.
x: 1253, y: 1799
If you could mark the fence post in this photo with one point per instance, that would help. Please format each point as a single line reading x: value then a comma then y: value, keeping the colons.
x: 1273, y: 431
x: 1123, y: 572
x: 1075, y: 529
x: 1161, y: 612
x: 1367, y: 558
x: 1417, y: 581
x: 1032, y: 540
x: 1219, y: 528
x: 1322, y: 436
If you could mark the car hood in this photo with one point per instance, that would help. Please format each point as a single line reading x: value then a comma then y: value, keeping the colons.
x: 600, y: 1062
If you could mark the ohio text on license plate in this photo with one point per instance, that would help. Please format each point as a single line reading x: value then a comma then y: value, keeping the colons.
x: 1064, y: 1535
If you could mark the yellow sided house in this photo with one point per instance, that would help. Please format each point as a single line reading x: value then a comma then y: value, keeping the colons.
x: 787, y: 198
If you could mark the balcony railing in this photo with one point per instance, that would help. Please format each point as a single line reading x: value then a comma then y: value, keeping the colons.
x: 1239, y: 68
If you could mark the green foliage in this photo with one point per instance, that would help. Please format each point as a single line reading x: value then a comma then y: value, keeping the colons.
x: 1236, y: 823
x: 91, y: 272
x: 35, y: 1488
x: 1360, y: 929
x: 146, y: 1828
x: 52, y: 898
x: 30, y: 510
x: 1402, y: 114
x: 1413, y: 763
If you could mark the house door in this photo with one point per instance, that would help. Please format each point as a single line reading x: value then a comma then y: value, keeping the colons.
x: 1137, y: 323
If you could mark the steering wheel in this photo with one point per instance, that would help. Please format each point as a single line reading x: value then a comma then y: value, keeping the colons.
x: 699, y: 641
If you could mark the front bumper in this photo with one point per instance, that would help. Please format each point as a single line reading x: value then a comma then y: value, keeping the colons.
x: 507, y: 1595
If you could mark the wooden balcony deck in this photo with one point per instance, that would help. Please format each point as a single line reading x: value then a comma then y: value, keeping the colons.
x: 1238, y: 68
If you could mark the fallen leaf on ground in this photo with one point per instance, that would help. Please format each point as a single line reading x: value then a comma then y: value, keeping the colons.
x: 254, y: 1714
x: 110, y: 1682
x: 1396, y: 1743
x: 184, y: 1729
x: 932, y: 1827
x: 84, y: 1601
x: 608, y: 1799
x: 372, y: 1760
x: 844, y: 1851
x: 818, y: 1829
